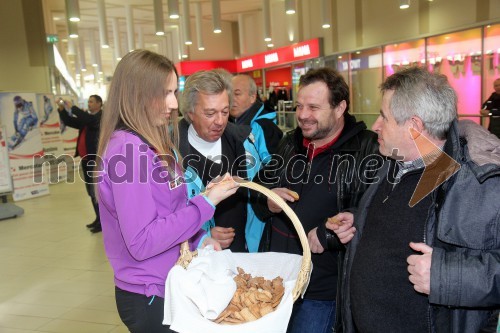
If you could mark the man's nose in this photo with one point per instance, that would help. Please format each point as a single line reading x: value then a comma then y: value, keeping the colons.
x: 219, y: 119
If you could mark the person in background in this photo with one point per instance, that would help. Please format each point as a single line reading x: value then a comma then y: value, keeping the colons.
x: 145, y: 213
x: 491, y: 109
x: 423, y: 254
x: 325, y: 161
x: 87, y: 124
x: 248, y: 109
x: 211, y: 147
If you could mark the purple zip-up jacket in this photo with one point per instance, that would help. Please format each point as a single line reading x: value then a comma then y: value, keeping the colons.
x: 145, y: 215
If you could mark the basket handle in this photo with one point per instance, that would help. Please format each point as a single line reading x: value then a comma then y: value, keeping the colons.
x: 305, y: 268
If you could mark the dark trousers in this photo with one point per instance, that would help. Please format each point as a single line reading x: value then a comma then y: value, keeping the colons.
x: 139, y: 313
x: 89, y: 184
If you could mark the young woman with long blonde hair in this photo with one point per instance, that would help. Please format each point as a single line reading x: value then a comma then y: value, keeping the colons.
x: 145, y: 213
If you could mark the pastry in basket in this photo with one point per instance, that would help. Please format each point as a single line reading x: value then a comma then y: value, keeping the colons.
x: 254, y: 298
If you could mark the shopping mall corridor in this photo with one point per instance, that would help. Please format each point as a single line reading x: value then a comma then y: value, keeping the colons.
x: 54, y: 275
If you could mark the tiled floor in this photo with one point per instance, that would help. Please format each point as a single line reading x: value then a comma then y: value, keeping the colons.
x: 54, y: 275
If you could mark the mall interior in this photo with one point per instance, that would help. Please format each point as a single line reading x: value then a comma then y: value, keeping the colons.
x: 55, y: 276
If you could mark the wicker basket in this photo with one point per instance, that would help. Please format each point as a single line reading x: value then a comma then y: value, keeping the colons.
x: 305, y: 269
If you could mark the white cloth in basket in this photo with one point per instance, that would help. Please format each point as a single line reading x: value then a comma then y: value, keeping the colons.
x: 209, y: 283
x: 184, y: 316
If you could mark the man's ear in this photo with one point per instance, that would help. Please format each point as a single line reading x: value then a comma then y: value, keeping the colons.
x: 417, y: 127
x: 253, y: 98
x: 340, y: 109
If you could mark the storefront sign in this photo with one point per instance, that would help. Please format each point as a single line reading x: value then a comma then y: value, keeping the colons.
x: 187, y: 68
x: 298, y: 52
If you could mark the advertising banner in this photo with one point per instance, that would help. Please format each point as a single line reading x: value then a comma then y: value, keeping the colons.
x: 52, y: 143
x: 5, y: 180
x: 24, y: 143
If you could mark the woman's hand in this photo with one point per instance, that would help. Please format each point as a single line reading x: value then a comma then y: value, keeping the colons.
x: 210, y: 241
x: 220, y: 188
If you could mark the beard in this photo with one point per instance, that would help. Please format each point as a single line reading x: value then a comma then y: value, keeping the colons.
x: 319, y: 133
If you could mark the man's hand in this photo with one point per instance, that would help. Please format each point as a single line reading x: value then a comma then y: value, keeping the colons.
x: 341, y: 224
x: 225, y: 236
x: 419, y: 267
x: 285, y: 194
x: 314, y: 243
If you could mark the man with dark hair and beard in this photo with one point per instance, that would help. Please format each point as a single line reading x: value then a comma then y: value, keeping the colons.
x: 326, y: 161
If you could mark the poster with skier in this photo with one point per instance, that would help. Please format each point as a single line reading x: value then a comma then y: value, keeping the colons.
x: 24, y: 143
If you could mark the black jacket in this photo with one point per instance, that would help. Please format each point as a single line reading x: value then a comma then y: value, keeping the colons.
x: 462, y: 228
x: 318, y: 201
x: 80, y: 120
x: 232, y: 211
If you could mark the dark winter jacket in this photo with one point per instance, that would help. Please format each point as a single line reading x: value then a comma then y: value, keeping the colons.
x: 345, y: 164
x: 462, y: 227
x: 236, y: 210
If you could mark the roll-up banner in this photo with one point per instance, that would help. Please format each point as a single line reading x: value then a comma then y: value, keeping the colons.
x: 24, y: 143
x: 54, y: 161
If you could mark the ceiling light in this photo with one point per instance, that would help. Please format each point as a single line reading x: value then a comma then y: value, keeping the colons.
x: 186, y: 22
x: 81, y: 55
x: 403, y: 4
x: 159, y: 23
x: 116, y: 37
x: 290, y: 7
x: 173, y: 9
x: 326, y: 13
x: 129, y: 14
x: 267, y: 20
x: 72, y: 29
x: 199, y: 33
x: 93, y: 53
x: 216, y: 16
x: 72, y: 10
x: 103, y: 26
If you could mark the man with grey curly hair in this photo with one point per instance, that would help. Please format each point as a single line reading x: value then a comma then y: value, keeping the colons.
x: 423, y: 251
x: 211, y: 146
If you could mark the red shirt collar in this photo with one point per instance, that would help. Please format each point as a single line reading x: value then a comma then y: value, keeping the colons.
x: 313, y: 151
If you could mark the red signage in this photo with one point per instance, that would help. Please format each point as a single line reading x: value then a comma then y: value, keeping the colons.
x: 297, y: 52
x: 191, y: 67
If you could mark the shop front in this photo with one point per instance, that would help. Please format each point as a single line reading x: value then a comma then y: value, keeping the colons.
x: 277, y: 74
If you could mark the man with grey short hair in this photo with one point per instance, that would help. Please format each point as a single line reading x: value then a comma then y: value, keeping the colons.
x: 423, y: 251
x: 211, y: 146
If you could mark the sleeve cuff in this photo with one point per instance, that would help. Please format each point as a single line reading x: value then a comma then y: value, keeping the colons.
x: 200, y: 243
x: 321, y: 233
x: 208, y: 200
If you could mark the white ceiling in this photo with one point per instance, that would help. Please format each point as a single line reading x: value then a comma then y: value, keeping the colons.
x: 55, y: 13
